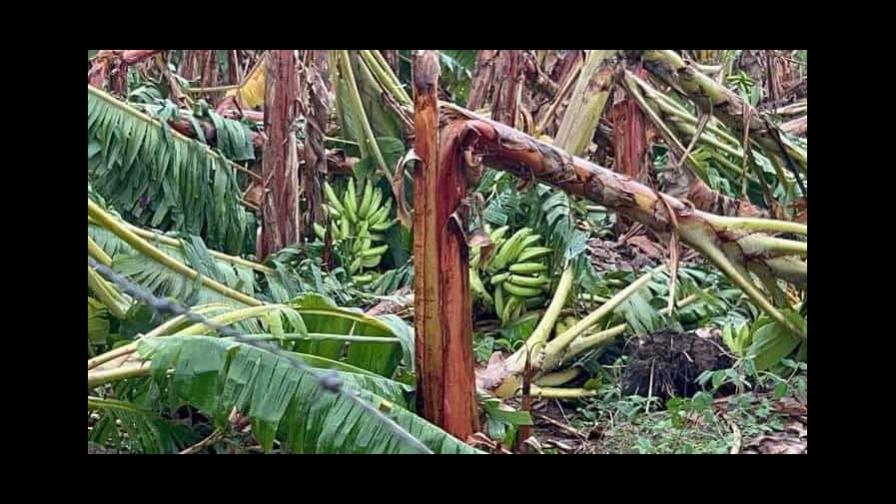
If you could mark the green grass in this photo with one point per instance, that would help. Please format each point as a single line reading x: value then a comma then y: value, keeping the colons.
x: 641, y: 425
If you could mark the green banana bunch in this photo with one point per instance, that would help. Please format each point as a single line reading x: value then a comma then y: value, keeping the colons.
x: 357, y: 222
x: 517, y: 273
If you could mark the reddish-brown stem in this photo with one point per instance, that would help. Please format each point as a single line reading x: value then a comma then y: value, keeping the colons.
x: 443, y: 322
x: 315, y: 154
x: 568, y: 63
x: 279, y: 167
x: 210, y: 73
x: 508, y: 84
x: 631, y: 156
x: 233, y: 67
x: 112, y: 65
x: 483, y: 77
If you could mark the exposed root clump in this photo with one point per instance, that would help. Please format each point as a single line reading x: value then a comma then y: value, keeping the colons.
x: 667, y: 363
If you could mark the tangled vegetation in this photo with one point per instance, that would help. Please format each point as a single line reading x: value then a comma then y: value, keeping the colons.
x: 447, y: 251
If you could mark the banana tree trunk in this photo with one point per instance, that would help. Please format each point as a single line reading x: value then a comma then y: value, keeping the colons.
x: 630, y: 137
x: 187, y: 66
x: 107, y: 60
x: 726, y: 242
x: 279, y: 166
x: 630, y: 142
x: 773, y: 84
x: 497, y: 83
x: 483, y: 77
x: 209, y: 77
x: 547, y: 118
x: 537, y: 80
x: 508, y: 87
x: 443, y: 322
x: 315, y: 151
x: 233, y: 67
x: 568, y: 63
x: 587, y: 102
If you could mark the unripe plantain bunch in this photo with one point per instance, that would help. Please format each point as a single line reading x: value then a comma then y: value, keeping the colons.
x: 514, y: 279
x: 357, y: 221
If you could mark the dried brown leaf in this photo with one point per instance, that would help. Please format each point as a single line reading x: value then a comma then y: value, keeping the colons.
x: 493, y: 374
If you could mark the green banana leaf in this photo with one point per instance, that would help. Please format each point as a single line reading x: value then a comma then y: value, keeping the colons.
x: 285, y: 402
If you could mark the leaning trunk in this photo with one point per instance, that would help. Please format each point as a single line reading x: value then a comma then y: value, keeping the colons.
x: 722, y: 240
x: 683, y: 182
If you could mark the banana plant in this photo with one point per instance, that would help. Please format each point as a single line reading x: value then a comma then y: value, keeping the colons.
x: 365, y: 351
x: 289, y: 405
x: 284, y: 402
x: 162, y: 178
x: 719, y: 155
x: 711, y: 97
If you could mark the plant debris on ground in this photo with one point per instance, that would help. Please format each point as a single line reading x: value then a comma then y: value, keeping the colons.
x: 459, y: 251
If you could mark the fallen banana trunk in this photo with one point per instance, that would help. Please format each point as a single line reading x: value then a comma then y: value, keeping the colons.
x: 666, y: 115
x: 714, y: 98
x: 720, y: 239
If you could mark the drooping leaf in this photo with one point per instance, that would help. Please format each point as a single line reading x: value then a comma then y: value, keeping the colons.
x: 286, y: 402
x: 322, y: 316
x: 164, y: 180
x: 146, y: 431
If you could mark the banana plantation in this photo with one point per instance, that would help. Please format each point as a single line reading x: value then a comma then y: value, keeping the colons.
x: 447, y: 252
